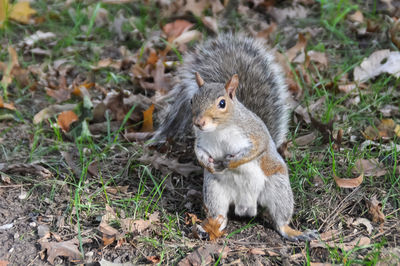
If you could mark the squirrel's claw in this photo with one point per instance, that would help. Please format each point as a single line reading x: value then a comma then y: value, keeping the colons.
x: 201, y: 233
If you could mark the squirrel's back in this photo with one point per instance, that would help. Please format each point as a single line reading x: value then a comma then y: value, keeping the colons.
x: 261, y: 83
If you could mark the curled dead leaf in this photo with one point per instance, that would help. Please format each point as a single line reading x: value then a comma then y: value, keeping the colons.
x: 349, y: 182
x: 375, y: 210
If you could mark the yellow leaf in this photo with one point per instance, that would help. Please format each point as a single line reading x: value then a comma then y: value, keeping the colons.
x: 21, y: 12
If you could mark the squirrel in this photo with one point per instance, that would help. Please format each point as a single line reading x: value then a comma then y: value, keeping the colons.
x: 233, y: 94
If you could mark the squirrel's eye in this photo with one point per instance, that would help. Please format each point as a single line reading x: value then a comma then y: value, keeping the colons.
x: 191, y: 101
x: 221, y: 104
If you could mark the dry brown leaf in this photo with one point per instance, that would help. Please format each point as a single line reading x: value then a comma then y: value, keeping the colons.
x: 211, y: 226
x: 165, y: 164
x: 48, y: 112
x: 320, y: 264
x: 186, y: 37
x: 108, y: 62
x: 382, y: 61
x: 65, y: 119
x: 369, y: 167
x: 176, y: 28
x: 160, y: 82
x: 349, y: 182
x: 191, y: 219
x: 9, y: 106
x: 357, y: 17
x: 196, y: 7
x: 67, y: 249
x: 109, y: 233
x: 3, y: 263
x: 257, y: 251
x: 147, y: 125
x: 360, y: 241
x: 204, y: 255
x: 117, y: 189
x: 306, y: 139
x: 153, y: 57
x: 299, y: 47
x: 137, y: 226
x: 293, y: 11
x: 375, y: 210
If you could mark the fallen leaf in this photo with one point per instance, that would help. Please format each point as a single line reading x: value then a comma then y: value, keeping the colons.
x: 37, y: 36
x: 369, y: 167
x: 4, y: 263
x: 109, y: 233
x: 345, y: 246
x: 147, y: 125
x: 389, y: 110
x: 257, y: 251
x: 386, y: 130
x: 163, y: 163
x: 205, y: 255
x: 299, y: 47
x: 187, y: 36
x: 382, y: 61
x: 176, y: 28
x: 357, y: 17
x: 294, y: 11
x: 26, y: 168
x: 306, y: 139
x: 9, y: 106
x: 153, y: 259
x: 196, y: 7
x: 137, y: 226
x: 211, y: 226
x: 67, y: 249
x: 50, y: 111
x: 191, y: 219
x: 375, y: 210
x: 108, y: 62
x: 65, y: 119
x: 364, y: 222
x: 349, y: 182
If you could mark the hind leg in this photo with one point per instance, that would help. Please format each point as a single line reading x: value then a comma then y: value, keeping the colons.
x: 216, y: 199
x: 277, y: 198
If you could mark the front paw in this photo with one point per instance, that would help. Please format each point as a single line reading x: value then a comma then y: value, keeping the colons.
x: 219, y: 166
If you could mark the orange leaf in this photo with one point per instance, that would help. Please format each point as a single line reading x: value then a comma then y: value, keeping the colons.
x: 153, y: 57
x: 211, y: 226
x: 153, y: 259
x: 65, y: 119
x: 349, y: 182
x: 148, y: 120
x: 9, y: 106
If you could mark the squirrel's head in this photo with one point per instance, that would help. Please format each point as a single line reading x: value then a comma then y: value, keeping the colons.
x: 212, y: 105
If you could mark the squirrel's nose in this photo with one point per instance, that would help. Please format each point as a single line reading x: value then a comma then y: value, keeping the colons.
x: 199, y: 122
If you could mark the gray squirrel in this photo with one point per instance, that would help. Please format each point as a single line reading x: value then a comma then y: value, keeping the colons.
x: 234, y: 94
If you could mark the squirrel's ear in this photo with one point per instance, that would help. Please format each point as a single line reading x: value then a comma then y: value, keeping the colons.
x: 199, y: 80
x: 231, y: 85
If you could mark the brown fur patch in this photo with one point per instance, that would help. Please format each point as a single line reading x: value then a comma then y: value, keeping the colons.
x: 290, y: 232
x: 271, y: 167
x: 215, y: 113
x: 254, y: 153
